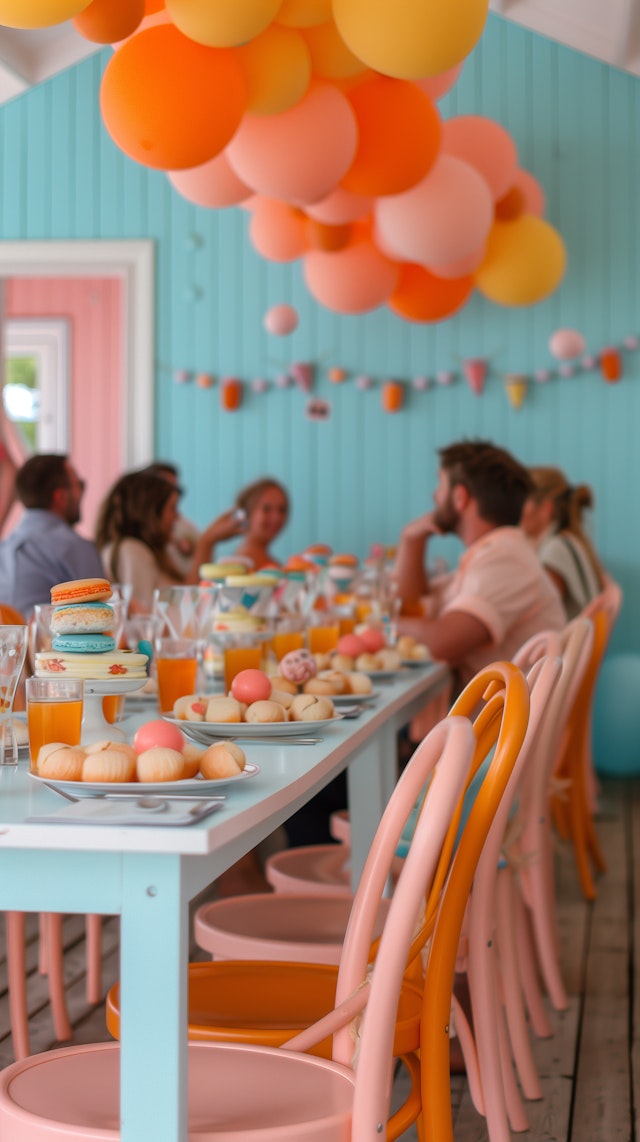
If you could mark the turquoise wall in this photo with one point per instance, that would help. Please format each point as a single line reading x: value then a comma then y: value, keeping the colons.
x: 358, y: 476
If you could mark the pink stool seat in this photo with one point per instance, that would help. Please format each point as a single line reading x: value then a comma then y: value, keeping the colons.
x: 321, y: 869
x: 73, y: 1094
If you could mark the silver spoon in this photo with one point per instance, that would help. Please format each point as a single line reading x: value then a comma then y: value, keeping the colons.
x: 153, y: 804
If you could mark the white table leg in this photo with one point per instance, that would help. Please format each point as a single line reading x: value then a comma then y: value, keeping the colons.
x: 371, y: 777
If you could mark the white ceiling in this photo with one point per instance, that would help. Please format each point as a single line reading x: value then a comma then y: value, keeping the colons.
x: 606, y: 29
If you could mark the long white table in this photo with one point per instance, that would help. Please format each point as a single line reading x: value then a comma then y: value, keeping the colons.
x: 148, y: 875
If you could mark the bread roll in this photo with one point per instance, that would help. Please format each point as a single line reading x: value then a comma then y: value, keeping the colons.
x: 191, y: 756
x: 342, y: 662
x: 108, y: 765
x: 389, y: 659
x: 283, y: 698
x: 358, y: 683
x: 61, y: 764
x: 283, y: 685
x: 405, y: 645
x: 21, y: 731
x: 367, y: 662
x: 268, y: 711
x: 323, y: 661
x: 311, y: 708
x: 223, y: 710
x: 337, y: 678
x: 160, y: 764
x: 103, y: 746
x: 322, y: 686
x: 224, y: 759
x: 190, y: 708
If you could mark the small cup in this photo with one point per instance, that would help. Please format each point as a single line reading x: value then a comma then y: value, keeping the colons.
x: 323, y: 632
x: 13, y: 648
x: 54, y: 713
x: 177, y: 667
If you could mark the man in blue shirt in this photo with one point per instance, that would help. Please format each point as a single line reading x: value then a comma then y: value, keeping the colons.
x: 43, y: 549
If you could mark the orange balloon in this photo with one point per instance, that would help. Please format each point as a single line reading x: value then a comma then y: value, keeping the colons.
x: 435, y: 86
x: 328, y: 238
x: 304, y: 13
x: 107, y: 21
x: 511, y: 205
x: 277, y: 231
x: 151, y: 6
x: 277, y: 70
x: 170, y: 103
x: 214, y: 184
x: 340, y: 206
x: 354, y: 280
x: 420, y: 296
x: 300, y: 155
x: 330, y: 56
x: 398, y: 137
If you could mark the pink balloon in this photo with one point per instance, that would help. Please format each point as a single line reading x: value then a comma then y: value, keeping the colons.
x: 339, y: 207
x: 464, y: 266
x: 435, y: 86
x: 442, y: 220
x: 565, y: 344
x: 354, y: 280
x: 277, y: 230
x: 486, y: 146
x: 213, y: 184
x: 301, y: 154
x: 280, y: 320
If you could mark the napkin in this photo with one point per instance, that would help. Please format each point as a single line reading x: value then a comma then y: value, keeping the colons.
x: 100, y: 811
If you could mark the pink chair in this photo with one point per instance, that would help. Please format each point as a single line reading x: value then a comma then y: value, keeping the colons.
x: 238, y: 1091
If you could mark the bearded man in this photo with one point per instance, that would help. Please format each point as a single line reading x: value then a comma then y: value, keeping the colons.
x: 499, y: 595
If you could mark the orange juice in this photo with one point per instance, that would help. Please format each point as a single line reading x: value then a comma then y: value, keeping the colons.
x: 176, y: 677
x: 237, y: 658
x: 347, y: 625
x: 288, y: 640
x: 323, y: 639
x: 363, y: 610
x: 52, y: 722
x: 112, y: 707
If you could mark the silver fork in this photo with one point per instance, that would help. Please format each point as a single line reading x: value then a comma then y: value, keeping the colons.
x: 203, y: 738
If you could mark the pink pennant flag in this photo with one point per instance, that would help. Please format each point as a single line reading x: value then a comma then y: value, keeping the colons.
x: 302, y: 375
x: 475, y: 371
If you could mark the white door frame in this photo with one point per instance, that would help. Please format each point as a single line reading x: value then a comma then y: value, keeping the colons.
x: 133, y: 263
x: 48, y: 340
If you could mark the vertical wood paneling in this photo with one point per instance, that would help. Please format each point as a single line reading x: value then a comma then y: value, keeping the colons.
x: 357, y: 477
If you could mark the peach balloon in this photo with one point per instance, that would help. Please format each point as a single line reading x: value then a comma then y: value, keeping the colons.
x: 511, y: 205
x: 410, y: 39
x: 277, y: 70
x: 330, y: 56
x: 486, y: 146
x: 524, y: 263
x: 304, y: 13
x: 38, y: 13
x: 328, y: 238
x: 531, y: 191
x: 302, y: 154
x: 277, y: 231
x: 340, y: 206
x: 222, y: 24
x: 442, y: 220
x: 214, y: 184
x: 565, y: 344
x: 464, y: 266
x: 107, y: 21
x: 398, y: 137
x: 421, y: 296
x: 280, y: 320
x: 170, y: 103
x: 354, y: 280
x: 435, y: 86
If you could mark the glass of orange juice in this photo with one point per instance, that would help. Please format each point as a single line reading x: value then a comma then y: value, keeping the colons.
x: 289, y: 635
x: 240, y: 653
x: 177, y: 667
x: 323, y: 632
x: 54, y: 712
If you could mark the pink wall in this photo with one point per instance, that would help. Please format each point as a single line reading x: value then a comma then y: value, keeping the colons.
x: 93, y: 306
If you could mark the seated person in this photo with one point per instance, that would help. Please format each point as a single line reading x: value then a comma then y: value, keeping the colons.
x: 552, y: 518
x: 266, y: 507
x: 185, y: 534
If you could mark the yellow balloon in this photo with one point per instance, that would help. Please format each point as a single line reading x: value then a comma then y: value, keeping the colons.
x: 222, y: 23
x: 410, y: 39
x: 39, y: 13
x: 330, y: 56
x: 524, y: 262
x: 304, y: 13
x: 277, y: 70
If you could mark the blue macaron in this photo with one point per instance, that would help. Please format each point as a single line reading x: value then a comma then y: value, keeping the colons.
x: 84, y: 643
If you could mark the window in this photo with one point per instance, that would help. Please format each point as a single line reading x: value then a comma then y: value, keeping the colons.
x: 36, y: 388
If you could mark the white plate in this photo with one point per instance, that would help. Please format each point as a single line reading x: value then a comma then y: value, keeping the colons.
x: 416, y: 662
x: 194, y: 787
x: 353, y: 699
x: 383, y: 675
x: 258, y: 730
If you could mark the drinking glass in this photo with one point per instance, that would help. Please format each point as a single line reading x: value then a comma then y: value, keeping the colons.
x: 54, y: 712
x: 241, y: 652
x: 13, y: 648
x: 39, y: 631
x: 323, y: 632
x: 289, y: 635
x: 177, y: 668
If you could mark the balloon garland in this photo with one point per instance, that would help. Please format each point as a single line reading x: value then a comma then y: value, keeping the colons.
x: 320, y: 118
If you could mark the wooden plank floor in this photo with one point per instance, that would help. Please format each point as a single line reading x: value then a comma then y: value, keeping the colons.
x: 589, y: 1069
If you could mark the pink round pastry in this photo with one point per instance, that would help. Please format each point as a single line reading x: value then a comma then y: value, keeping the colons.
x: 251, y: 686
x: 157, y: 733
x: 351, y: 645
x: 373, y: 639
x: 298, y: 666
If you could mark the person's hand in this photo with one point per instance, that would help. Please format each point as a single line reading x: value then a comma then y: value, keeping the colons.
x: 226, y: 526
x: 421, y: 528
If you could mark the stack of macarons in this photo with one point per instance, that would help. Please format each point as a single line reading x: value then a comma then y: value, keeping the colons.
x: 83, y: 619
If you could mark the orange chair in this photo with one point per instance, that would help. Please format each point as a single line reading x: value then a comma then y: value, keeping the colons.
x: 573, y: 817
x: 239, y: 1090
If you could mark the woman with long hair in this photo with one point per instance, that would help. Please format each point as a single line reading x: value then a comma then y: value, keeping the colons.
x: 553, y: 519
x: 265, y: 504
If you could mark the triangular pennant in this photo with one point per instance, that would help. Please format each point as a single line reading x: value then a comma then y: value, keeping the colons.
x: 475, y: 371
x: 302, y: 374
x: 516, y: 386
